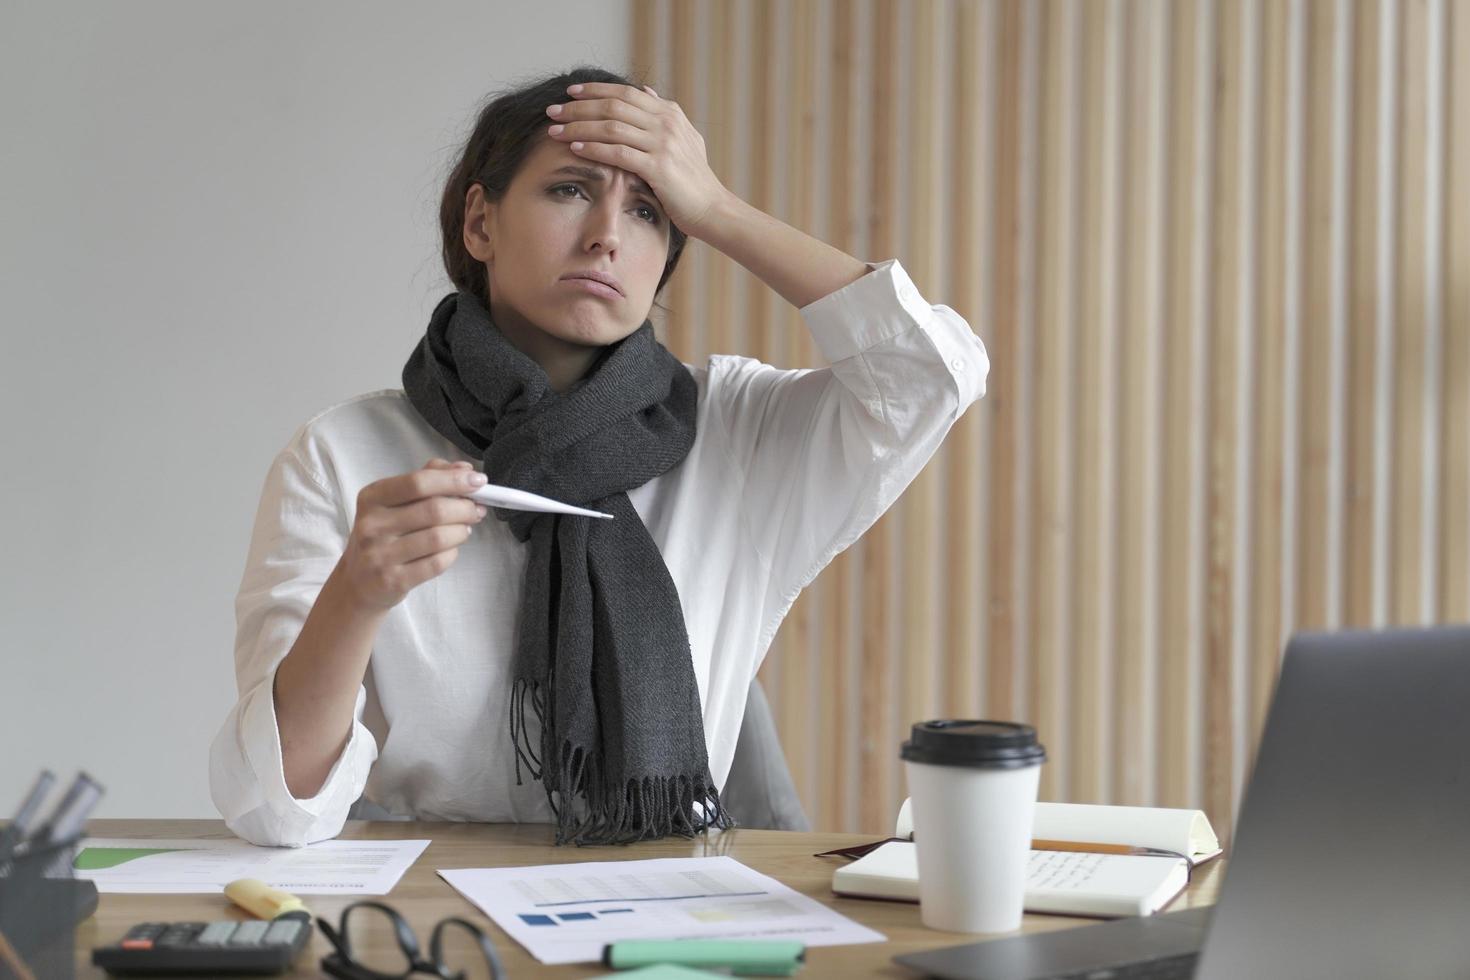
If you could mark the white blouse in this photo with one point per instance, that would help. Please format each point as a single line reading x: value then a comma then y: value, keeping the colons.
x: 787, y: 469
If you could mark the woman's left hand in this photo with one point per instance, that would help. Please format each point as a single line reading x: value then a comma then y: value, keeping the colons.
x: 635, y: 130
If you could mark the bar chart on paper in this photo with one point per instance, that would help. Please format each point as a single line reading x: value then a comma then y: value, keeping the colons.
x: 566, y: 913
x: 570, y: 890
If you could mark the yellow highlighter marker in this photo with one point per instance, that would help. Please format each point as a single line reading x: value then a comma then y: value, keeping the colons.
x: 263, y: 901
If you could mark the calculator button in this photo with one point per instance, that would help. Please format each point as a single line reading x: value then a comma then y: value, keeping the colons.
x: 283, y: 933
x: 136, y: 944
x: 145, y: 930
x: 249, y: 933
x: 216, y: 933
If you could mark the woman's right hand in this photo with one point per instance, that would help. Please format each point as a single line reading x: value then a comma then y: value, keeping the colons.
x: 408, y: 530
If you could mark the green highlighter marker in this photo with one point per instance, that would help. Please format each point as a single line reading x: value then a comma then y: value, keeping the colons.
x: 742, y: 957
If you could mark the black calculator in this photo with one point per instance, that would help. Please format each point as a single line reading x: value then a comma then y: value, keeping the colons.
x: 232, y: 946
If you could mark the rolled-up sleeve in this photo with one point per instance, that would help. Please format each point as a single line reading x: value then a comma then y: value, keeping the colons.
x: 297, y: 540
x: 825, y: 452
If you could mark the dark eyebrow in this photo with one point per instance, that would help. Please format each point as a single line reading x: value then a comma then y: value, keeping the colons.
x: 601, y: 176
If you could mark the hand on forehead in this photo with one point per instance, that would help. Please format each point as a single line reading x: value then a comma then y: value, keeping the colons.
x: 635, y: 131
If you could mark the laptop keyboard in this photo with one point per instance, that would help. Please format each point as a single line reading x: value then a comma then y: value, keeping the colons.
x: 1179, y: 967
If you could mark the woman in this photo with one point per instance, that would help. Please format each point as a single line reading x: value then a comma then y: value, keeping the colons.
x: 392, y: 639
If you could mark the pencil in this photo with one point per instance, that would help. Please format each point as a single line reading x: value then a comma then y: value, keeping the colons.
x: 1089, y: 848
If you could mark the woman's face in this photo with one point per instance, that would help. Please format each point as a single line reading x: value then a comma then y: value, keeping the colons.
x: 554, y: 224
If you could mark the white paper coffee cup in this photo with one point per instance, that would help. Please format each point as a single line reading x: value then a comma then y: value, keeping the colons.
x: 973, y: 786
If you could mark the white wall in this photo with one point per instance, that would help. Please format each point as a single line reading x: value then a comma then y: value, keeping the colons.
x: 215, y: 220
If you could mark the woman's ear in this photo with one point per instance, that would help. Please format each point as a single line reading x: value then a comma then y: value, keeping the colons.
x: 479, y: 220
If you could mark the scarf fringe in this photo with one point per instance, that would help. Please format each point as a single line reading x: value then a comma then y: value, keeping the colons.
x: 639, y: 809
x: 519, y: 737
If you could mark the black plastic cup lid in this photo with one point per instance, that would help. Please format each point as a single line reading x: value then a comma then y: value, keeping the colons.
x: 974, y: 744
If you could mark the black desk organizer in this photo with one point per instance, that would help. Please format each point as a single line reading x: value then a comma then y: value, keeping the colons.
x: 40, y: 905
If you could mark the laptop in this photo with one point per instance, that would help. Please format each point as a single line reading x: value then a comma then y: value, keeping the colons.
x: 1352, y: 851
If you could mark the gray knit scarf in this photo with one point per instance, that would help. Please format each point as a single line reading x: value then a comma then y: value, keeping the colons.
x: 602, y: 657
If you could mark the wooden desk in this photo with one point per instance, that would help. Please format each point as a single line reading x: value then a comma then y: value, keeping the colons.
x: 424, y: 898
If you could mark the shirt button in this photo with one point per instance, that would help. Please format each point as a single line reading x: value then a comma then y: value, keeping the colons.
x: 906, y: 292
x: 957, y: 364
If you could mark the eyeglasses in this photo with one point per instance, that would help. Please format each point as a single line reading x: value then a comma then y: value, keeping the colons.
x: 458, y: 950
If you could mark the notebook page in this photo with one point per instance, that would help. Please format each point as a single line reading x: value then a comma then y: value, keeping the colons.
x: 1066, y: 882
x: 1101, y: 884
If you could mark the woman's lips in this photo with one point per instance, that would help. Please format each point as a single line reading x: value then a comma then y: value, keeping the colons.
x: 594, y: 287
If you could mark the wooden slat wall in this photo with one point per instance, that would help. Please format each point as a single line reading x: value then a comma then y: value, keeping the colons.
x: 1219, y: 252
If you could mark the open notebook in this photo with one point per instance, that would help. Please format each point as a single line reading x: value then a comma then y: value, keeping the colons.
x: 1061, y: 882
x: 1067, y: 882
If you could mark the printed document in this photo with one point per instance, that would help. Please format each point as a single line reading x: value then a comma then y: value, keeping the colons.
x: 566, y: 913
x: 329, y: 867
